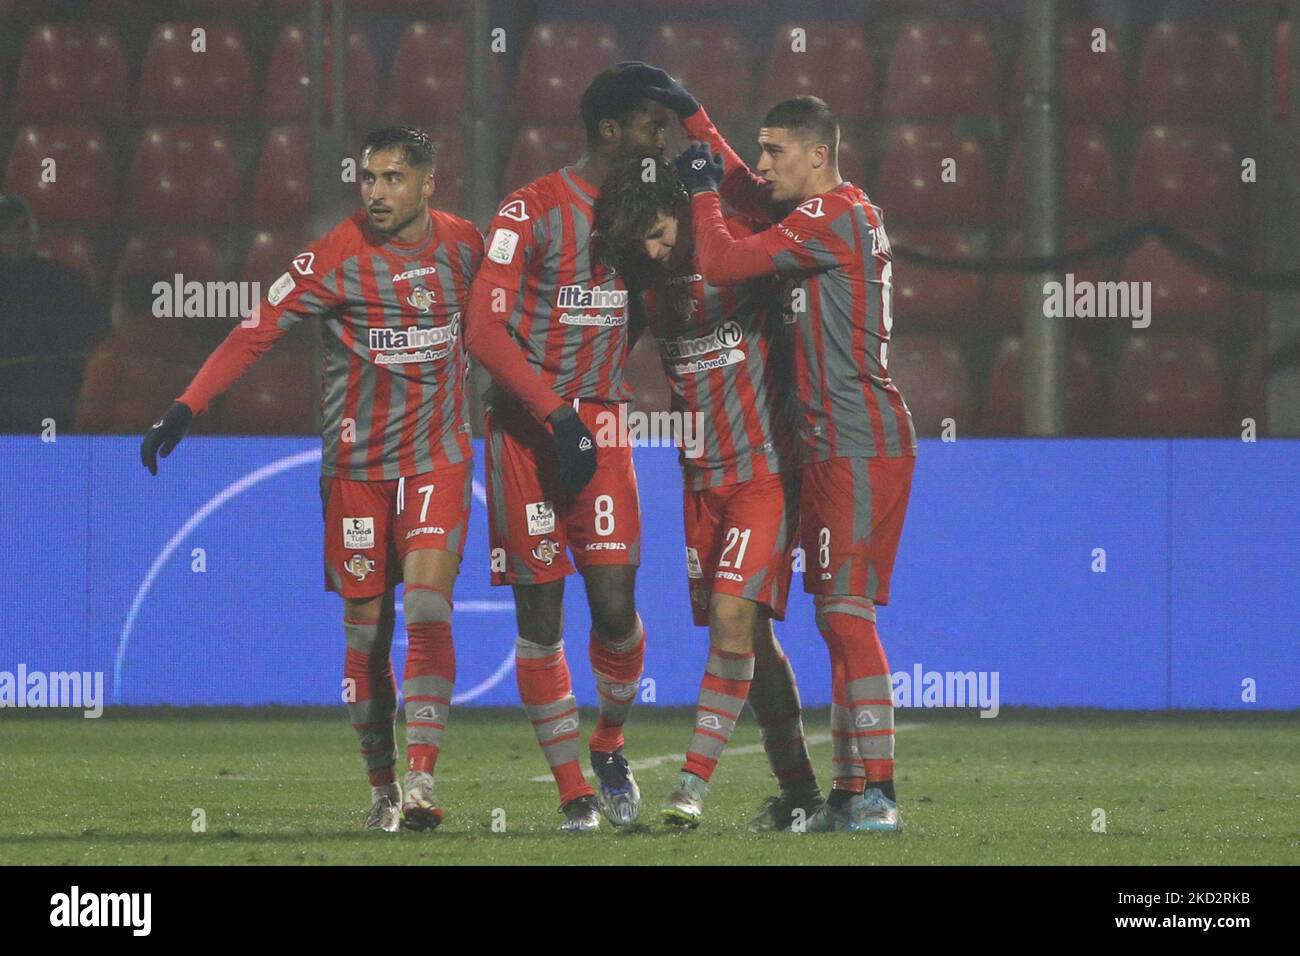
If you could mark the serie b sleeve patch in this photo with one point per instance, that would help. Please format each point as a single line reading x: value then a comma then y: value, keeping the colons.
x: 280, y: 288
x: 502, y: 248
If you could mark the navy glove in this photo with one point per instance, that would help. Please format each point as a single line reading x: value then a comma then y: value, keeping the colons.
x: 698, y: 169
x: 576, y: 449
x: 165, y: 435
x: 662, y: 88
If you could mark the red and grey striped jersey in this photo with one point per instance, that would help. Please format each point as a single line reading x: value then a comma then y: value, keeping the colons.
x: 569, y: 311
x: 393, y: 400
x: 727, y: 353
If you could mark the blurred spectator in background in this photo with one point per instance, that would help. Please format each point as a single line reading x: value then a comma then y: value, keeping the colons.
x: 49, y: 320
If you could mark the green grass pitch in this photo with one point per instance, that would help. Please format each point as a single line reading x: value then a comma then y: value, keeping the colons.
x: 285, y: 786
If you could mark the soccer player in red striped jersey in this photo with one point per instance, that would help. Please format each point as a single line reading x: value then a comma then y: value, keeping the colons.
x: 858, y: 442
x: 727, y: 354
x: 389, y: 285
x: 549, y: 322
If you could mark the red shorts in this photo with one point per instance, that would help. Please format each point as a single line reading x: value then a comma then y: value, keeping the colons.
x: 852, y: 512
x: 532, y: 526
x: 740, y: 540
x: 370, y: 526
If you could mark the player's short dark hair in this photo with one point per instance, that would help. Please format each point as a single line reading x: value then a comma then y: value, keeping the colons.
x: 417, y: 148
x: 629, y: 206
x: 809, y: 118
x: 613, y: 94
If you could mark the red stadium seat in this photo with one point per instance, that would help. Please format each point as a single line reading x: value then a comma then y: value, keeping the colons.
x: 179, y: 84
x: 1005, y: 297
x: 160, y: 256
x: 427, y: 82
x: 835, y: 64
x: 139, y: 369
x: 409, y: 7
x: 147, y: 10
x: 853, y: 156
x: 279, y: 393
x: 282, y: 182
x: 74, y: 251
x: 1194, y: 72
x: 1092, y: 84
x: 924, y: 296
x: 1186, y: 176
x: 83, y: 188
x: 1003, y: 410
x: 1168, y: 384
x: 645, y: 376
x: 1252, y: 388
x: 449, y: 171
x: 708, y: 58
x: 1178, y: 291
x: 1091, y: 183
x: 183, y: 174
x: 287, y: 78
x: 559, y: 61
x: 941, y: 69
x: 930, y: 372
x: 269, y: 255
x: 70, y: 71
x: 539, y: 150
x: 909, y: 185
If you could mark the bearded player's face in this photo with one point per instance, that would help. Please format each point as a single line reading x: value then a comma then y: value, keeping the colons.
x: 393, y: 191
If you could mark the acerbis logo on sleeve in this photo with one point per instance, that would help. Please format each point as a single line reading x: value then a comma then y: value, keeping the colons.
x: 303, y: 262
x: 514, y: 210
x: 812, y: 208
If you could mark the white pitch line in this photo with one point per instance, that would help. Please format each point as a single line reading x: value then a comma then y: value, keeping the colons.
x: 812, y: 740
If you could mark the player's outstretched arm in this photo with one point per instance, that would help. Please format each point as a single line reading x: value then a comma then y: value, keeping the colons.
x: 722, y: 259
x: 747, y: 192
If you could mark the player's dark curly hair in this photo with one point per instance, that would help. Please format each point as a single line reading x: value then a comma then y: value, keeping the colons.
x: 636, y: 194
x: 415, y: 144
x: 613, y: 94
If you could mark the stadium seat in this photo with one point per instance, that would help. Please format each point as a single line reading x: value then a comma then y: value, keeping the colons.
x: 74, y: 251
x: 558, y: 62
x: 1177, y: 171
x: 1179, y: 292
x: 449, y: 172
x: 135, y: 374
x: 1168, y: 384
x: 178, y: 84
x: 183, y: 174
x: 282, y: 182
x: 159, y: 256
x: 149, y: 10
x: 1194, y: 72
x: 940, y: 69
x: 83, y: 189
x: 1252, y: 388
x: 284, y: 99
x: 909, y: 181
x: 853, y: 155
x: 1005, y: 297
x: 539, y: 150
x: 1003, y: 409
x: 269, y: 255
x: 930, y: 372
x: 1092, y: 84
x: 835, y: 65
x: 931, y: 297
x: 645, y: 376
x: 70, y: 72
x: 408, y: 7
x: 279, y: 393
x: 427, y: 82
x: 1091, y: 183
x: 708, y: 58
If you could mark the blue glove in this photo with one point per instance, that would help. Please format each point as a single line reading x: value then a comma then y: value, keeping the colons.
x: 657, y: 85
x: 165, y: 435
x: 698, y: 169
x: 575, y: 447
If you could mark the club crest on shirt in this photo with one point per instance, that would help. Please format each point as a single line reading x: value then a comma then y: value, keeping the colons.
x: 359, y: 566
x: 421, y: 299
